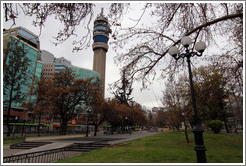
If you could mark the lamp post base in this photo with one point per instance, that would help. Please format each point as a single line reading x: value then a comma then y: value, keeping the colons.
x: 199, y: 144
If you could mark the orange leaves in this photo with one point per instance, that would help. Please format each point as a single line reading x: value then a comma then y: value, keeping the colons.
x: 120, y: 113
x: 63, y: 96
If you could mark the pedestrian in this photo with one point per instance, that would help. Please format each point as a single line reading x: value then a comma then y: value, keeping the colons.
x: 130, y: 131
x: 104, y: 131
x: 235, y: 130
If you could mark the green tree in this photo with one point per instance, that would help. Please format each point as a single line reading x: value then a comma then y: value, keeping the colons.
x: 14, y: 75
x: 215, y: 125
x: 123, y: 89
x: 211, y: 94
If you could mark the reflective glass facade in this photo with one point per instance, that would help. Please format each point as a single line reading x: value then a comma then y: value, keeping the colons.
x: 82, y: 73
x: 34, y: 69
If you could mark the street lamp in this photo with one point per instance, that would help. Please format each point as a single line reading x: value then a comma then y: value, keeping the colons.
x: 197, y: 129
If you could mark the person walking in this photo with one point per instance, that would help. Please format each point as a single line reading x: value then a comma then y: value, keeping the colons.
x: 130, y: 131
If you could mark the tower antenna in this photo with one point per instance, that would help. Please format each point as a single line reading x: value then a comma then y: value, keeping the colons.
x: 102, y: 11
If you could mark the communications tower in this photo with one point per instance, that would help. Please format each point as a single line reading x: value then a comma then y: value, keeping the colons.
x: 100, y: 46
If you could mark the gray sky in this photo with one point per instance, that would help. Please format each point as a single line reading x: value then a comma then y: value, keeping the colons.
x: 148, y: 98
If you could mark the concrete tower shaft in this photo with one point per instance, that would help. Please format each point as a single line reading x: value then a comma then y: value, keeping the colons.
x: 100, y: 46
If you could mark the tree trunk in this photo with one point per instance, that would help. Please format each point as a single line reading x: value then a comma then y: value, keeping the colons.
x: 63, y: 128
x: 226, y: 126
x: 9, y: 108
x: 186, y: 135
x: 13, y: 130
x: 95, y: 130
x: 39, y: 119
x: 112, y: 129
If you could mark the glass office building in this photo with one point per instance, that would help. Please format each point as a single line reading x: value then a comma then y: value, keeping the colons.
x: 31, y: 46
x: 82, y: 73
x: 60, y: 64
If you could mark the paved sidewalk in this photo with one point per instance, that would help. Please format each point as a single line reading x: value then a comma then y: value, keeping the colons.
x: 51, y: 146
x: 63, y: 141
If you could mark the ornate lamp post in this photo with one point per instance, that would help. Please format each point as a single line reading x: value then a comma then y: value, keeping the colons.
x: 197, y: 129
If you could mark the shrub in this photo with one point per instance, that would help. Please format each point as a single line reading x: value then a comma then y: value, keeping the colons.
x: 215, y: 125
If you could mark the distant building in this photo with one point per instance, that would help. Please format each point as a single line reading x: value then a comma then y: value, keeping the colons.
x: 156, y: 109
x: 53, y: 65
x: 47, y: 57
x: 48, y: 70
x: 63, y: 61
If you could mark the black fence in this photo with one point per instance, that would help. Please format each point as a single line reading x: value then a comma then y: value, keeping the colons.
x: 50, y: 155
x: 29, y: 131
x: 42, y: 156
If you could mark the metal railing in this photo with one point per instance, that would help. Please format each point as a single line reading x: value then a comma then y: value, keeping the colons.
x: 48, y: 155
x: 42, y: 156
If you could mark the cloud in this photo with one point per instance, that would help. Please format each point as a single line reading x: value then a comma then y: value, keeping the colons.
x: 83, y: 58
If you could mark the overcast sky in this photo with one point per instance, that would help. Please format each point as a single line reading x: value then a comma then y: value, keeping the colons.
x: 148, y: 98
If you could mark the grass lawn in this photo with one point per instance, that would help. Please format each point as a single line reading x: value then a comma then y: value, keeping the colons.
x: 11, y: 140
x: 167, y: 148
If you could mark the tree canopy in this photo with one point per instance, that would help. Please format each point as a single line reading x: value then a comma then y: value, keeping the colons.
x: 65, y: 96
x: 171, y: 21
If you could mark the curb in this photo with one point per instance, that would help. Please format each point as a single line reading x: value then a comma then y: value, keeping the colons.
x: 43, y: 138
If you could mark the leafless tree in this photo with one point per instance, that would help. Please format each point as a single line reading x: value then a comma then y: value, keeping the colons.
x: 70, y: 14
x: 171, y: 21
x: 146, y: 56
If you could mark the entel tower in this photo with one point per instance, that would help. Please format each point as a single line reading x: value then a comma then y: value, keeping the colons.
x: 100, y: 46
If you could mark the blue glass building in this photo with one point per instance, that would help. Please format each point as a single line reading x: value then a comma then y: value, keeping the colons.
x: 30, y: 42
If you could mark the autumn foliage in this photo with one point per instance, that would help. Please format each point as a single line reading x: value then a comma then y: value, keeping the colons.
x: 64, y: 97
x: 122, y: 116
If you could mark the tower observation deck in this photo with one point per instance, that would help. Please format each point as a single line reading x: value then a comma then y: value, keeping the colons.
x: 100, y: 46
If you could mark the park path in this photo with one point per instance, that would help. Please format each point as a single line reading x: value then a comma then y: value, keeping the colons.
x: 63, y: 141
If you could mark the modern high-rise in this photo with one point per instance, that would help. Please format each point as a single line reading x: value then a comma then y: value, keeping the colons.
x: 100, y: 46
x: 30, y: 42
